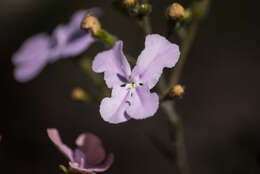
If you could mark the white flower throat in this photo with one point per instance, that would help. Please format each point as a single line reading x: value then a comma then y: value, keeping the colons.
x: 131, y: 85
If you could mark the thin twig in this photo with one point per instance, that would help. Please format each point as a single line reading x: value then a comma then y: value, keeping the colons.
x: 176, y: 74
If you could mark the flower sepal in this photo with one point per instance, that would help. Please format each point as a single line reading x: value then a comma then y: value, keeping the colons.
x: 63, y: 169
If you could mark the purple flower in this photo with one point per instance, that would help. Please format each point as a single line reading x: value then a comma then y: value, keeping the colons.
x: 66, y: 41
x: 131, y: 96
x: 88, y: 157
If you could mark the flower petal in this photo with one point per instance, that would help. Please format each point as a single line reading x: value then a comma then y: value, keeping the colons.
x: 158, y: 54
x: 113, y: 110
x: 143, y: 103
x: 77, y: 168
x: 78, y: 42
x: 30, y: 59
x: 100, y: 168
x: 29, y: 70
x: 59, y: 41
x: 55, y: 138
x: 114, y: 64
x: 91, y: 146
x: 79, y: 157
x: 70, y: 40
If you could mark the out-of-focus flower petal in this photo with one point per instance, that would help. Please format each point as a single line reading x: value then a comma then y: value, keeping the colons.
x: 99, y: 168
x: 143, y: 103
x: 80, y: 41
x: 113, y: 109
x: 27, y: 71
x: 58, y: 42
x: 158, y: 54
x: 77, y: 168
x: 31, y: 58
x: 55, y: 138
x: 92, y: 147
x: 66, y: 41
x: 114, y: 65
x: 70, y: 39
x: 79, y: 157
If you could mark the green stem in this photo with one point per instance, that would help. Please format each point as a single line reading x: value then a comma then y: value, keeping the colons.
x: 106, y: 37
x: 176, y: 74
x: 178, y: 132
x: 169, y: 108
x: 147, y: 25
x: 181, y: 150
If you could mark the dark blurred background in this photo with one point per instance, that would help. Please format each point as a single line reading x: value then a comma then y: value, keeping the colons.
x: 220, y: 109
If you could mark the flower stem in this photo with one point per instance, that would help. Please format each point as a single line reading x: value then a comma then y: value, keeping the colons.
x: 181, y: 150
x: 169, y: 106
x: 147, y: 25
x: 106, y: 37
x: 176, y: 74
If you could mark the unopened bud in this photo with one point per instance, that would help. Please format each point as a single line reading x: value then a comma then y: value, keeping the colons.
x: 187, y: 15
x: 178, y: 90
x: 63, y: 169
x: 176, y: 11
x: 91, y: 23
x: 145, y: 8
x: 78, y: 94
x: 129, y: 3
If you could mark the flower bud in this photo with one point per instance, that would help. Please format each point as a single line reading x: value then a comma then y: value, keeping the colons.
x: 63, y: 169
x: 178, y: 90
x: 78, y: 94
x: 176, y: 11
x: 129, y: 3
x: 91, y: 23
x: 145, y: 9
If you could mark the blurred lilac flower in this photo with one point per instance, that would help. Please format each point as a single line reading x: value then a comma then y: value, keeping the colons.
x: 131, y: 97
x: 88, y: 157
x: 66, y: 41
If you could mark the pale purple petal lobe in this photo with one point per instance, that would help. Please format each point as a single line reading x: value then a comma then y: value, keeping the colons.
x: 79, y: 157
x: 113, y: 109
x: 77, y: 168
x: 99, y: 168
x: 77, y: 40
x: 158, y: 54
x: 92, y: 147
x: 105, y: 165
x: 114, y: 65
x: 143, y: 103
x: 69, y: 40
x: 80, y: 41
x: 55, y: 138
x: 31, y: 58
x: 59, y: 41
